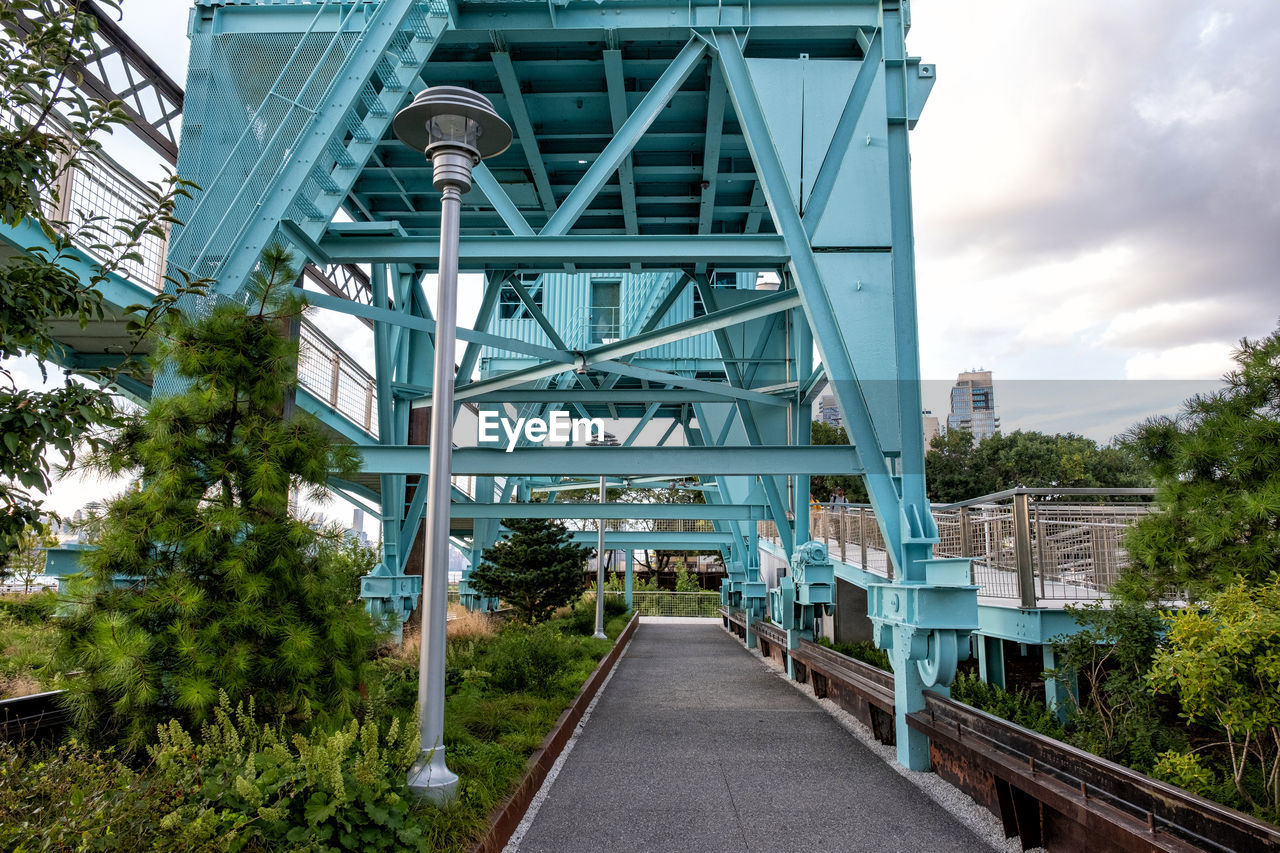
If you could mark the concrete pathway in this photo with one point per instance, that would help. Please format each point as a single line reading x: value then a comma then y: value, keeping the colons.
x: 694, y: 746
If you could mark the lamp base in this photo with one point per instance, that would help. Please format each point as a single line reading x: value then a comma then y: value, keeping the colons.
x: 600, y: 635
x: 431, y: 780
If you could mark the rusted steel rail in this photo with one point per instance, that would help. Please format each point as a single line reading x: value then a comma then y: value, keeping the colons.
x: 1055, y: 796
x: 36, y: 717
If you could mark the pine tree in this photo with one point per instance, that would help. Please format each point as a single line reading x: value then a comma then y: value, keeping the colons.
x: 230, y: 592
x: 535, y: 570
x: 1217, y: 467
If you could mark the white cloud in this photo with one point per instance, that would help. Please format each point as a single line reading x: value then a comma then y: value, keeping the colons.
x: 1194, y: 361
x: 1193, y: 102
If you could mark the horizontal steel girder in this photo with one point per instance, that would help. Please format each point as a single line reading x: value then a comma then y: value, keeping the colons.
x: 655, y: 540
x: 620, y: 461
x: 551, y: 253
x: 698, y: 512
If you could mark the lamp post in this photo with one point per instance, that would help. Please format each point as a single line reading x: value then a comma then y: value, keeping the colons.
x: 456, y: 128
x: 608, y: 440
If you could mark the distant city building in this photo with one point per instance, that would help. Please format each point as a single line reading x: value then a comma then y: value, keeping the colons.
x: 930, y: 428
x: 973, y: 405
x: 829, y: 411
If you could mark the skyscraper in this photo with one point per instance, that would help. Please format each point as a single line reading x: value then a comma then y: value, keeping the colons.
x: 829, y: 411
x: 973, y: 405
x: 930, y: 423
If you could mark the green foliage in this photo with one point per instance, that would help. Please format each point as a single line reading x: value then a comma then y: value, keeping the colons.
x: 536, y: 569
x: 1222, y: 663
x: 1186, y: 770
x: 325, y: 791
x: 823, y: 486
x: 347, y: 559
x: 243, y: 786
x: 231, y: 591
x: 956, y: 469
x: 239, y: 786
x: 687, y: 581
x: 79, y: 799
x: 1110, y: 656
x: 27, y: 643
x: 1217, y: 469
x: 862, y: 650
x: 1019, y: 708
x: 53, y: 135
x: 34, y: 609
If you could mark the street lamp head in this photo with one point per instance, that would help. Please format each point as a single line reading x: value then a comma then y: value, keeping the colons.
x: 456, y: 128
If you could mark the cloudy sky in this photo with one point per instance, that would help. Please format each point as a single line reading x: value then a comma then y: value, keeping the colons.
x: 1097, y: 196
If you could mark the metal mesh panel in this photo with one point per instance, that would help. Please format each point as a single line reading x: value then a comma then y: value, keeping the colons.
x: 263, y: 88
x: 332, y: 377
x: 688, y: 604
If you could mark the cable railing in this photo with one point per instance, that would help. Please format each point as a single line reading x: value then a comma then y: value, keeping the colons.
x: 1030, y: 546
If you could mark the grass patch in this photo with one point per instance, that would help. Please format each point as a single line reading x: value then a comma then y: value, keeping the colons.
x: 27, y: 642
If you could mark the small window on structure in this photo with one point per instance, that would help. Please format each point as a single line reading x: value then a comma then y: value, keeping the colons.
x: 511, y: 307
x: 699, y: 307
x: 725, y: 279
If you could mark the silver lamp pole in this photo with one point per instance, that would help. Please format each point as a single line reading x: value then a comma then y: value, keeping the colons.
x: 600, y: 634
x: 455, y: 128
x: 607, y: 440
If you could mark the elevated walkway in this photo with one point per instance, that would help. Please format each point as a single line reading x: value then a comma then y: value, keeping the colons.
x: 695, y: 746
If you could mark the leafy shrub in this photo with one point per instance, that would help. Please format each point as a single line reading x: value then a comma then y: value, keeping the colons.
x: 1019, y: 708
x: 324, y: 791
x: 1222, y: 662
x: 34, y: 609
x: 74, y: 798
x: 582, y: 617
x: 523, y: 658
x: 614, y: 605
x: 1118, y: 718
x: 863, y: 651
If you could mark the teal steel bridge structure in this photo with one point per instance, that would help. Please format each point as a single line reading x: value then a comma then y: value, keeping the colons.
x: 705, y: 219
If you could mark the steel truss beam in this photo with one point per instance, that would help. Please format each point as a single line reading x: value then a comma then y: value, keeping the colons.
x: 619, y: 461
x: 657, y: 511
x: 550, y: 253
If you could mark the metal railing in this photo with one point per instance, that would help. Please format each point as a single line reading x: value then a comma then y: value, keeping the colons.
x: 334, y: 378
x: 1030, y: 546
x: 100, y: 187
x: 665, y: 603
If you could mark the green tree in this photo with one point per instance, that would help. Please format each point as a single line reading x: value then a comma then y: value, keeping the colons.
x: 50, y: 132
x: 950, y: 470
x: 536, y: 569
x: 1217, y: 469
x: 1222, y: 663
x: 823, y: 486
x: 957, y: 469
x: 231, y: 593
